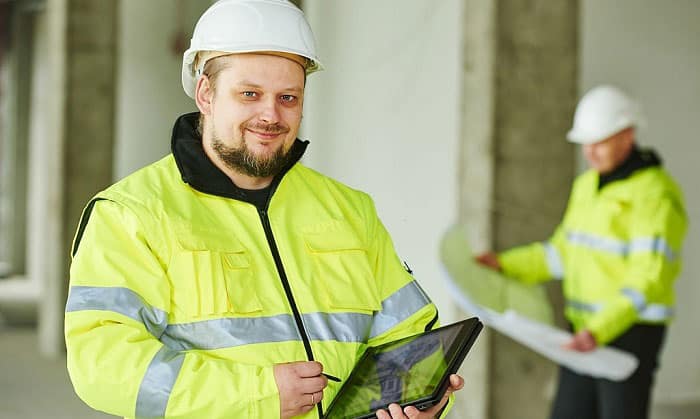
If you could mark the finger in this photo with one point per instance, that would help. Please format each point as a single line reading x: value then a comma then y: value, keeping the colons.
x: 412, y: 412
x: 456, y: 382
x: 396, y: 411
x: 305, y: 409
x: 310, y: 399
x: 382, y: 414
x: 312, y: 385
x: 570, y: 344
x: 314, y: 398
x: 434, y: 410
x: 308, y: 368
x: 574, y: 344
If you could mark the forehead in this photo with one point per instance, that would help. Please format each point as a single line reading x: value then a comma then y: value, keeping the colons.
x: 265, y: 71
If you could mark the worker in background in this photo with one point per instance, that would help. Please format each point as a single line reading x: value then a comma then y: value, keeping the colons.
x: 227, y: 280
x: 617, y: 251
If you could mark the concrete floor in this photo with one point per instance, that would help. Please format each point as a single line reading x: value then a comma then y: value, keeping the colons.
x: 32, y: 387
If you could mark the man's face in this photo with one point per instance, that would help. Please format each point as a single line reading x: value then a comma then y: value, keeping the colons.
x: 255, y: 113
x: 606, y: 155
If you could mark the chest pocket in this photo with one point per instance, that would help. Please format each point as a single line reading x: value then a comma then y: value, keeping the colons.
x: 212, y: 276
x: 612, y: 217
x: 342, y: 269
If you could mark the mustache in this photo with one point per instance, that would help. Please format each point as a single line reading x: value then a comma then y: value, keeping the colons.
x: 276, y: 128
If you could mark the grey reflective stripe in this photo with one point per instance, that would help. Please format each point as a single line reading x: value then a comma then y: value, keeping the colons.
x: 649, y: 312
x: 554, y: 262
x: 653, y: 245
x: 398, y: 307
x: 230, y: 332
x: 158, y: 382
x: 623, y: 248
x: 599, y: 243
x: 340, y: 327
x: 639, y: 301
x: 656, y: 313
x: 119, y: 300
x: 578, y: 305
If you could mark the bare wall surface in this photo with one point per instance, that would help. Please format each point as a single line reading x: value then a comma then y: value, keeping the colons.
x: 149, y: 91
x: 651, y: 49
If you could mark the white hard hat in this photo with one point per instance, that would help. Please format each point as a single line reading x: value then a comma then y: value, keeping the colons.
x: 602, y: 112
x: 240, y: 26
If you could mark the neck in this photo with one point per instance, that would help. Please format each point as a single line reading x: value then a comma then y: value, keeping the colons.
x: 248, y: 182
x: 622, y: 161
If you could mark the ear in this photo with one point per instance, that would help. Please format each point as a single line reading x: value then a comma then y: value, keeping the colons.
x: 204, y: 95
x: 629, y: 135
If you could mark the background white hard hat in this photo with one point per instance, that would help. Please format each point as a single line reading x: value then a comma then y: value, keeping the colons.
x: 239, y: 26
x: 602, y: 112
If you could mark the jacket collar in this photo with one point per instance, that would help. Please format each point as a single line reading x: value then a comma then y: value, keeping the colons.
x: 200, y: 173
x: 637, y: 160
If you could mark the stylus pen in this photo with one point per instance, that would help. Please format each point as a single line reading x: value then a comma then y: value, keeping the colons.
x: 330, y: 377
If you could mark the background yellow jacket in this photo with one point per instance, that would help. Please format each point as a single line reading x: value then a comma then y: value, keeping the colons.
x: 617, y: 249
x: 183, y: 296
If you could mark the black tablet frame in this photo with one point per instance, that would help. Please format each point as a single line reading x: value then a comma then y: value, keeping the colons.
x: 469, y: 330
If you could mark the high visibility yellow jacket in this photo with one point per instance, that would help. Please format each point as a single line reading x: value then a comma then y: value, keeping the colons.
x: 617, y: 249
x: 183, y: 295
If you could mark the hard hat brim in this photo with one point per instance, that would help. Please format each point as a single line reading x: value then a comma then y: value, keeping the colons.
x: 189, y: 78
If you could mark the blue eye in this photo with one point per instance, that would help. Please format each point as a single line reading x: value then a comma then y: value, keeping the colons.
x: 249, y: 94
x: 287, y: 98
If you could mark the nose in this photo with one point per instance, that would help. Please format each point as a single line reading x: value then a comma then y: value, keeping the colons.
x: 269, y: 111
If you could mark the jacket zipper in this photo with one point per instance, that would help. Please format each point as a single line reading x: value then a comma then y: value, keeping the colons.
x: 287, y: 289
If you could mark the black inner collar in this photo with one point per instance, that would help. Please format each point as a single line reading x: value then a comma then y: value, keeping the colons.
x: 638, y: 159
x: 199, y: 172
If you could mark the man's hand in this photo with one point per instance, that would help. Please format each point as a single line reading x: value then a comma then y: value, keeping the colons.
x: 410, y: 412
x: 582, y: 341
x: 300, y: 385
x: 490, y: 260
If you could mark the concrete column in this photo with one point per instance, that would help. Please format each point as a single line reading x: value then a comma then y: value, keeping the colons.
x: 91, y: 62
x: 520, y: 87
x: 82, y: 48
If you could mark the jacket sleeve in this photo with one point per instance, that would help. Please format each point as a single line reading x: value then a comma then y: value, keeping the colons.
x: 117, y: 310
x: 406, y: 309
x: 658, y: 226
x: 536, y: 262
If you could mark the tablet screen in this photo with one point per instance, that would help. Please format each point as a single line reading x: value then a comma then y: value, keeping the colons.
x: 409, y: 371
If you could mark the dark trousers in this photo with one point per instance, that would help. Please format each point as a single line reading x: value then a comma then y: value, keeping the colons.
x: 584, y: 397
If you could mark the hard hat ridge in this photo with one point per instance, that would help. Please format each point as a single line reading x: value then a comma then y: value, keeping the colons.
x: 249, y: 26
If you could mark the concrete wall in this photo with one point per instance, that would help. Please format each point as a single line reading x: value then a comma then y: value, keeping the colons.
x: 652, y: 50
x: 149, y: 93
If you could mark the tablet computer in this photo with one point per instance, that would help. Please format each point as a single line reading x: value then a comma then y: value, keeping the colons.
x: 413, y: 371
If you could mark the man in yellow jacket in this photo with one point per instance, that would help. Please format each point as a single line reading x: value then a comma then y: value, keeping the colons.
x: 617, y: 251
x: 227, y: 280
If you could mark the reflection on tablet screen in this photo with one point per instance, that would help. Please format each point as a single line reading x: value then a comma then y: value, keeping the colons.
x: 400, y: 372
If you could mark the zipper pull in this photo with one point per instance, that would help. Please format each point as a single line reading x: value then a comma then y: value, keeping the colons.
x: 407, y: 268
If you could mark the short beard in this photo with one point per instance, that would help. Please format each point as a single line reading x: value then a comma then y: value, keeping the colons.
x: 242, y: 160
